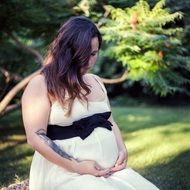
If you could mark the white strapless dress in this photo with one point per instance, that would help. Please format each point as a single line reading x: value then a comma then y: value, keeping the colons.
x: 100, y: 146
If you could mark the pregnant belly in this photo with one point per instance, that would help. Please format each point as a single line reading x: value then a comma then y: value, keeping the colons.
x: 100, y: 146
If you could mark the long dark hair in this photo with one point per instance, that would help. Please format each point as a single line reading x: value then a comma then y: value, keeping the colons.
x: 68, y: 55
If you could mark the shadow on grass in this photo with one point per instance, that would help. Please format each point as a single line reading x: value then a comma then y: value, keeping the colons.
x: 15, y: 160
x: 11, y: 125
x: 18, y: 165
x: 173, y: 175
x: 7, y: 132
x: 15, y: 154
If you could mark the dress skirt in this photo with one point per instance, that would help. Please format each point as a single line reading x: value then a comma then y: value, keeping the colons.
x: 99, y: 146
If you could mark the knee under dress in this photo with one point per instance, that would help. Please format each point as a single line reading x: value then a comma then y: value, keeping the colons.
x: 100, y: 145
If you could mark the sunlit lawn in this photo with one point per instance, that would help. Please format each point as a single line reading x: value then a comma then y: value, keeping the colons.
x: 158, y: 141
x: 157, y: 138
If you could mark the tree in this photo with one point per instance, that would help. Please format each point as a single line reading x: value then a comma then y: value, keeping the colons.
x: 26, y: 30
x: 141, y: 39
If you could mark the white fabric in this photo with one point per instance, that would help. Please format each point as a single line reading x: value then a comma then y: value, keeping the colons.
x: 100, y: 146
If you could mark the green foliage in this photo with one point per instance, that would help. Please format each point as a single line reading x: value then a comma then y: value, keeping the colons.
x: 141, y: 39
x: 85, y: 6
x: 155, y: 48
x: 34, y: 23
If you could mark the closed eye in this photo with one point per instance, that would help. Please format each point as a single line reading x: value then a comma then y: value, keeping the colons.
x: 94, y: 53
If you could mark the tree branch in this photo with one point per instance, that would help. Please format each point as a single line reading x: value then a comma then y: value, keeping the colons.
x: 10, y: 76
x: 10, y: 108
x: 27, y: 48
x: 12, y: 93
x: 117, y: 80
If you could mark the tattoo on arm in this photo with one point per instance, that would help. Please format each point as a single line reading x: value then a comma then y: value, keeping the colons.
x: 42, y: 134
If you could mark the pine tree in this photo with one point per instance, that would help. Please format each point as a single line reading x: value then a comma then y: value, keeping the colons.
x: 142, y: 39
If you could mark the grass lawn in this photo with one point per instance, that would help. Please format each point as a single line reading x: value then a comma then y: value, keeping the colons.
x: 157, y: 138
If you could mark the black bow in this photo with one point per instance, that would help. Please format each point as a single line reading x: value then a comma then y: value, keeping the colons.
x: 84, y: 127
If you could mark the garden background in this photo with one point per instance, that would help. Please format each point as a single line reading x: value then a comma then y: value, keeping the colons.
x: 144, y: 63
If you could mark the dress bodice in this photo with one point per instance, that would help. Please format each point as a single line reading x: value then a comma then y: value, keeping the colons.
x: 79, y: 110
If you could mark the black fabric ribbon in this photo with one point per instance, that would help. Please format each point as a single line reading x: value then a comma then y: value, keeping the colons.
x: 82, y: 128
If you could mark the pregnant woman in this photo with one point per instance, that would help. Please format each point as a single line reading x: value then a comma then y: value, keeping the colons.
x: 68, y: 121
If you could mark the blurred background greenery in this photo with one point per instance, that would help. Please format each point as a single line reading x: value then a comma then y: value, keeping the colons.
x: 145, y: 63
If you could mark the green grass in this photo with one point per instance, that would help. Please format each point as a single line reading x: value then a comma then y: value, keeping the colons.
x: 15, y: 154
x: 158, y: 142
x: 157, y: 138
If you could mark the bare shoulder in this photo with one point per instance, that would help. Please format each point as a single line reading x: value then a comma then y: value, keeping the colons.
x: 36, y: 81
x: 96, y: 76
x: 36, y: 86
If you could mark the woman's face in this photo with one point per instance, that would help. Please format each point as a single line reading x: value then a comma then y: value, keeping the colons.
x: 94, y: 54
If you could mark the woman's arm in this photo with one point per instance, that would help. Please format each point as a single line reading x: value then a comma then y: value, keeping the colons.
x: 123, y: 154
x: 119, y: 139
x: 120, y: 143
x: 35, y: 113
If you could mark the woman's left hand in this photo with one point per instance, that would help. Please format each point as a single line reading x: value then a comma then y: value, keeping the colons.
x: 121, y: 162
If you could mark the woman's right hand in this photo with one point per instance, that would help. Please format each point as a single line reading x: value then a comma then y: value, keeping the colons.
x: 92, y: 168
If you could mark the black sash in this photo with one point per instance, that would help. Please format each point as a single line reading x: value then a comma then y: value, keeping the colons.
x: 82, y: 128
